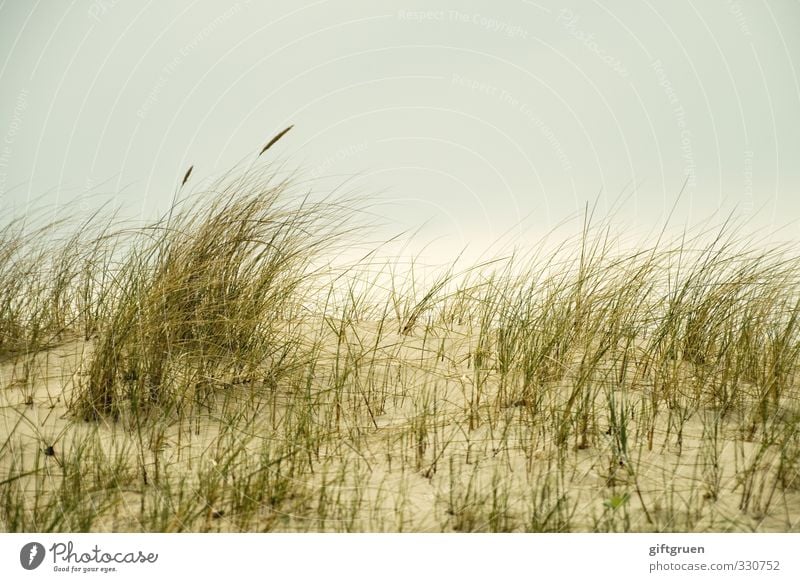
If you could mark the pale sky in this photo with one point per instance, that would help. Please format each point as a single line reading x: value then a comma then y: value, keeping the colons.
x: 474, y: 118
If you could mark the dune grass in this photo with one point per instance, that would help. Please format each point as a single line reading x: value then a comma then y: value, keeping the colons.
x: 215, y: 370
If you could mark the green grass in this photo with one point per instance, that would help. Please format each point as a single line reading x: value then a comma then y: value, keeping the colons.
x: 219, y: 369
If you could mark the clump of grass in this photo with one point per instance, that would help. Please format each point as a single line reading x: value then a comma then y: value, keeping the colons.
x: 205, y: 300
x: 26, y: 319
x: 54, y: 281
